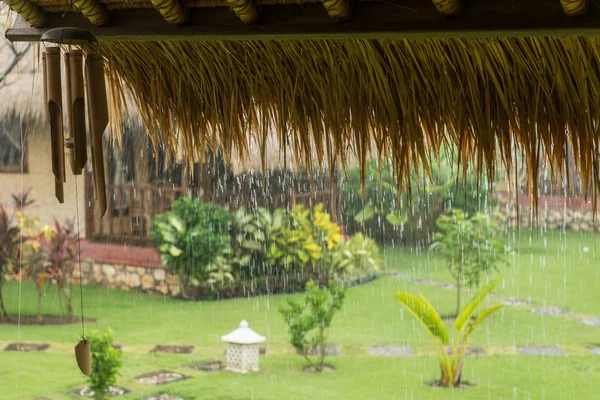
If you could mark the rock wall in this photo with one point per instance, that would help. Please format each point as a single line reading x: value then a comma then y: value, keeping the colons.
x: 127, y: 277
x: 569, y: 219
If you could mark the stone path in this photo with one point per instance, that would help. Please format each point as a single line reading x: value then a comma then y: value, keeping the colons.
x: 540, y: 351
x: 391, y: 351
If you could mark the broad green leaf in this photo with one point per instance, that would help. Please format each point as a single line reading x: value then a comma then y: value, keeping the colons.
x: 425, y: 314
x: 365, y: 214
x: 176, y: 222
x: 469, y: 309
x: 395, y: 218
x: 175, y: 251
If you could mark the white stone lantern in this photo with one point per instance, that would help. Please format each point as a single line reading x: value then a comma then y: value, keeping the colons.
x: 242, y: 349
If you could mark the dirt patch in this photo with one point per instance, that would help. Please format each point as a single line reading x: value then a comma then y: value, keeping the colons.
x: 209, y: 366
x: 161, y: 377
x: 163, y: 396
x: 113, y: 391
x: 46, y: 320
x: 27, y: 347
x: 313, y: 370
x: 173, y: 349
x: 462, y: 385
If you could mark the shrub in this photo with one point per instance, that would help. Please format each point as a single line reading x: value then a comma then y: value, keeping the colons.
x: 470, y: 246
x: 355, y: 258
x: 10, y: 240
x: 106, y: 361
x: 59, y: 255
x: 308, y: 322
x: 194, y: 242
x: 451, y: 364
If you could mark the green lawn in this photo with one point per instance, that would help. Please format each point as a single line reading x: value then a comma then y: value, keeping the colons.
x: 541, y: 271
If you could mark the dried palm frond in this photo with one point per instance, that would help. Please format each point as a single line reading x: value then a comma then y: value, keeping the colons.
x: 404, y: 99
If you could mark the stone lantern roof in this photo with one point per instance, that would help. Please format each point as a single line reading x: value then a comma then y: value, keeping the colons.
x: 243, y: 335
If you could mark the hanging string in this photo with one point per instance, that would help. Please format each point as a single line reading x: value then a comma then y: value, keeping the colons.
x: 79, y: 259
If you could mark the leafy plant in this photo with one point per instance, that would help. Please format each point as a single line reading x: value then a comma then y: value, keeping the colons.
x: 59, y: 249
x: 106, y: 361
x: 355, y: 258
x: 10, y: 240
x: 194, y: 242
x: 470, y: 246
x: 308, y: 322
x: 451, y: 364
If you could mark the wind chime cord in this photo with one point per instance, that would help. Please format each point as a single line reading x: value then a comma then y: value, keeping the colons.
x: 79, y: 259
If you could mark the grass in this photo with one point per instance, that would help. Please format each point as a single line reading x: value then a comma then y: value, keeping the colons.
x: 370, y: 316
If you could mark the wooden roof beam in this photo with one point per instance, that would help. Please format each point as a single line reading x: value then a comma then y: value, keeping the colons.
x: 31, y: 13
x: 450, y: 8
x: 245, y: 10
x: 574, y: 8
x: 172, y: 11
x: 370, y: 20
x: 95, y: 12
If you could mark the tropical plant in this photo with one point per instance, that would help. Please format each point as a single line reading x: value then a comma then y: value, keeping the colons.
x: 465, y: 324
x: 106, y: 361
x: 194, y: 242
x: 470, y: 246
x: 10, y: 240
x: 355, y: 258
x: 308, y: 322
x: 59, y: 249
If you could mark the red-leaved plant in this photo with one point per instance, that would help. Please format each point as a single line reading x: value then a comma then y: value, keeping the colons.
x: 59, y: 261
x: 10, y: 240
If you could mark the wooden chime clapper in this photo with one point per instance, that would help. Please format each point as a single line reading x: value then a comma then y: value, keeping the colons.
x: 97, y: 109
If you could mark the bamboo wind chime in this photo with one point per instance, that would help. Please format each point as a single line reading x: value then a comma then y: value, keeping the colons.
x: 97, y: 109
x: 76, y: 142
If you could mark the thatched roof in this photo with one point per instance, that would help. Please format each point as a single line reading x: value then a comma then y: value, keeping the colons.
x: 400, y: 98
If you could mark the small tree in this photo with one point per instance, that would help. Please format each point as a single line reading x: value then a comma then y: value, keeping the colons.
x: 309, y: 322
x: 59, y: 261
x: 470, y: 246
x: 451, y: 364
x: 10, y: 240
x: 106, y: 361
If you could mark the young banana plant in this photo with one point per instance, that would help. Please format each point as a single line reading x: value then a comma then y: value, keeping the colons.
x: 451, y: 364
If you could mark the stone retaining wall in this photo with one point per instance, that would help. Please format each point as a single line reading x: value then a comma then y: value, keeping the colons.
x: 127, y: 277
x: 570, y: 219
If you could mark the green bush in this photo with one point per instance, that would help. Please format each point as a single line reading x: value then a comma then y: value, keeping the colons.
x: 308, y: 322
x: 355, y: 258
x: 194, y: 242
x: 106, y: 361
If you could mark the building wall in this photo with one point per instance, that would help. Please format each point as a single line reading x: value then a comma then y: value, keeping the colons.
x: 40, y: 179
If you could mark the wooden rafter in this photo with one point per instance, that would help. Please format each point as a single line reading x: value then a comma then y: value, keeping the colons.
x: 574, y: 7
x: 95, y: 12
x: 245, y: 10
x: 34, y: 15
x: 448, y: 7
x: 172, y: 11
x: 370, y: 20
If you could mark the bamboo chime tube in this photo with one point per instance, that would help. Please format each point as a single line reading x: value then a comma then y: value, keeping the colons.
x: 69, y: 111
x: 245, y: 10
x: 30, y: 12
x: 574, y: 7
x: 98, y: 116
x: 447, y: 7
x: 172, y: 11
x: 55, y: 117
x: 77, y: 111
x: 45, y: 78
x: 93, y: 11
x: 338, y: 9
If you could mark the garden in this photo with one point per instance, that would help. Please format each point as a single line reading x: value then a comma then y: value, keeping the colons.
x: 463, y: 307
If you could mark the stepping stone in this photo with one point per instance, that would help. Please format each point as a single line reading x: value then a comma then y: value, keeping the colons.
x: 27, y: 347
x: 209, y: 366
x: 540, y: 351
x: 514, y: 303
x: 424, y: 281
x: 399, y: 275
x: 173, y: 349
x: 391, y: 351
x: 590, y: 321
x: 470, y: 351
x: 163, y: 396
x: 595, y: 350
x: 161, y: 377
x: 330, y: 350
x: 448, y: 286
x: 551, y: 310
x: 112, y: 392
